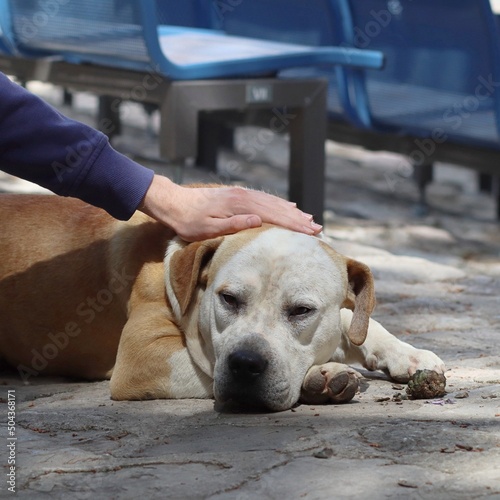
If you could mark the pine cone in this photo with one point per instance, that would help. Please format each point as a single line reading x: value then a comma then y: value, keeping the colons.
x: 426, y: 384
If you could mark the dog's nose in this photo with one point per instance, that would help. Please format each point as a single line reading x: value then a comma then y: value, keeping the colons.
x: 247, y: 365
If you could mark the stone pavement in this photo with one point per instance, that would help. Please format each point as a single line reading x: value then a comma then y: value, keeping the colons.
x: 438, y: 283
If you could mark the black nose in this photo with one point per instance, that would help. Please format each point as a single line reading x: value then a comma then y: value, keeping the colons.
x: 246, y: 365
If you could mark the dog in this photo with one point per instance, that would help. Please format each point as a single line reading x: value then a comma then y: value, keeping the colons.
x: 261, y: 318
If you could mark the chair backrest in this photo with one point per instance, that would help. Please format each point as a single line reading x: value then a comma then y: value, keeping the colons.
x: 308, y: 22
x: 109, y: 32
x: 442, y: 69
x: 98, y: 29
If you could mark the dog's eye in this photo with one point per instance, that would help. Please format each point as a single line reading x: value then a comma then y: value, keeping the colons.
x: 299, y: 311
x: 229, y: 300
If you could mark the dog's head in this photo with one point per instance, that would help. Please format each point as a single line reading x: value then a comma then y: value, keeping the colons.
x: 260, y: 307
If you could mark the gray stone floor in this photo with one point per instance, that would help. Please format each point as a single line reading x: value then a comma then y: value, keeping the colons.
x: 438, y: 283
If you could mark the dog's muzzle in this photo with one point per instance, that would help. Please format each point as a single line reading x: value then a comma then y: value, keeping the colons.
x: 246, y: 380
x: 253, y: 376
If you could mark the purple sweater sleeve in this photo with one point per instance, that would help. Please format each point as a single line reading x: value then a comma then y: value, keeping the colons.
x: 41, y: 145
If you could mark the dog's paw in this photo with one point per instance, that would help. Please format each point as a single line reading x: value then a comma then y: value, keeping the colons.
x: 403, y: 362
x: 329, y: 383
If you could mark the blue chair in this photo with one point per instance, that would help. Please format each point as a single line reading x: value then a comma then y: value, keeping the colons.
x: 129, y: 34
x: 438, y: 57
x: 437, y: 98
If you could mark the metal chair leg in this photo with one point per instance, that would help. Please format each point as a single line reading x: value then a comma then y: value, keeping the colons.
x: 423, y: 175
x: 108, y: 118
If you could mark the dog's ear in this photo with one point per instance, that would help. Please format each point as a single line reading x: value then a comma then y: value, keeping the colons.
x: 189, y: 268
x: 360, y: 298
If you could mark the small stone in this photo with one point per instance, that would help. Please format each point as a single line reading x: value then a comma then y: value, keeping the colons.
x: 407, y: 484
x: 324, y: 453
x: 426, y: 384
x: 398, y: 397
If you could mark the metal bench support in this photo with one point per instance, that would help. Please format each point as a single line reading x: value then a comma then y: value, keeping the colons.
x: 297, y: 106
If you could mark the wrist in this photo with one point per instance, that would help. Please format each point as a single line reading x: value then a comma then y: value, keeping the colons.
x: 156, y: 201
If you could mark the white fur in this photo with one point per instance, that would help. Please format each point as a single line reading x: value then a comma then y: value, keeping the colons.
x: 181, y: 380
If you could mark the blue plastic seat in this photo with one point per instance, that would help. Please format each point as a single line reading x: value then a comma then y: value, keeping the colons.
x: 130, y: 34
x: 442, y: 72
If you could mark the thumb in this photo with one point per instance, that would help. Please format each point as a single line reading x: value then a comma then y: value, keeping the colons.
x: 238, y: 223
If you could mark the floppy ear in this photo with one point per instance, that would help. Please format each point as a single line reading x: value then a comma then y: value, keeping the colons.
x: 188, y: 268
x: 360, y: 298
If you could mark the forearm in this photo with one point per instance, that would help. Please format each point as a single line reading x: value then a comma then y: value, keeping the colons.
x: 39, y: 144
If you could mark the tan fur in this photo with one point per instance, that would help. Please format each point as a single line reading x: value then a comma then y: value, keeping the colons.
x: 66, y: 266
x: 360, y: 295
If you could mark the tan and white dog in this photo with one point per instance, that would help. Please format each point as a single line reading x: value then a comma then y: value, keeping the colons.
x: 261, y: 318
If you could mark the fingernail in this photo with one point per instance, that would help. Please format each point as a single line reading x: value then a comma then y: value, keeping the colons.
x: 316, y: 227
x: 309, y: 217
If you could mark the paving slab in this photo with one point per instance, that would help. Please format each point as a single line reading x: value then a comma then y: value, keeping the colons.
x: 437, y: 282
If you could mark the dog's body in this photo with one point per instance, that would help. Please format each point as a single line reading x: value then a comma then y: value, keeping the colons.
x: 257, y: 317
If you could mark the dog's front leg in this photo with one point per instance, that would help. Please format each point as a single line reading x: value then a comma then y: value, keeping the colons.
x: 153, y: 362
x: 382, y: 351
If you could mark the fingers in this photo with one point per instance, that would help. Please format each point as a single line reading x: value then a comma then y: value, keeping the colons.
x: 198, y: 213
x: 272, y: 209
x: 211, y: 228
x: 237, y: 223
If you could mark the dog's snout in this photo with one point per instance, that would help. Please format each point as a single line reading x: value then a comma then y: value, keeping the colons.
x: 246, y: 365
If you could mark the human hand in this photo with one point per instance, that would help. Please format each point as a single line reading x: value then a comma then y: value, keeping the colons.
x: 198, y: 213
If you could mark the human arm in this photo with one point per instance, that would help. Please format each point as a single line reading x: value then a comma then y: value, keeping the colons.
x: 39, y: 144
